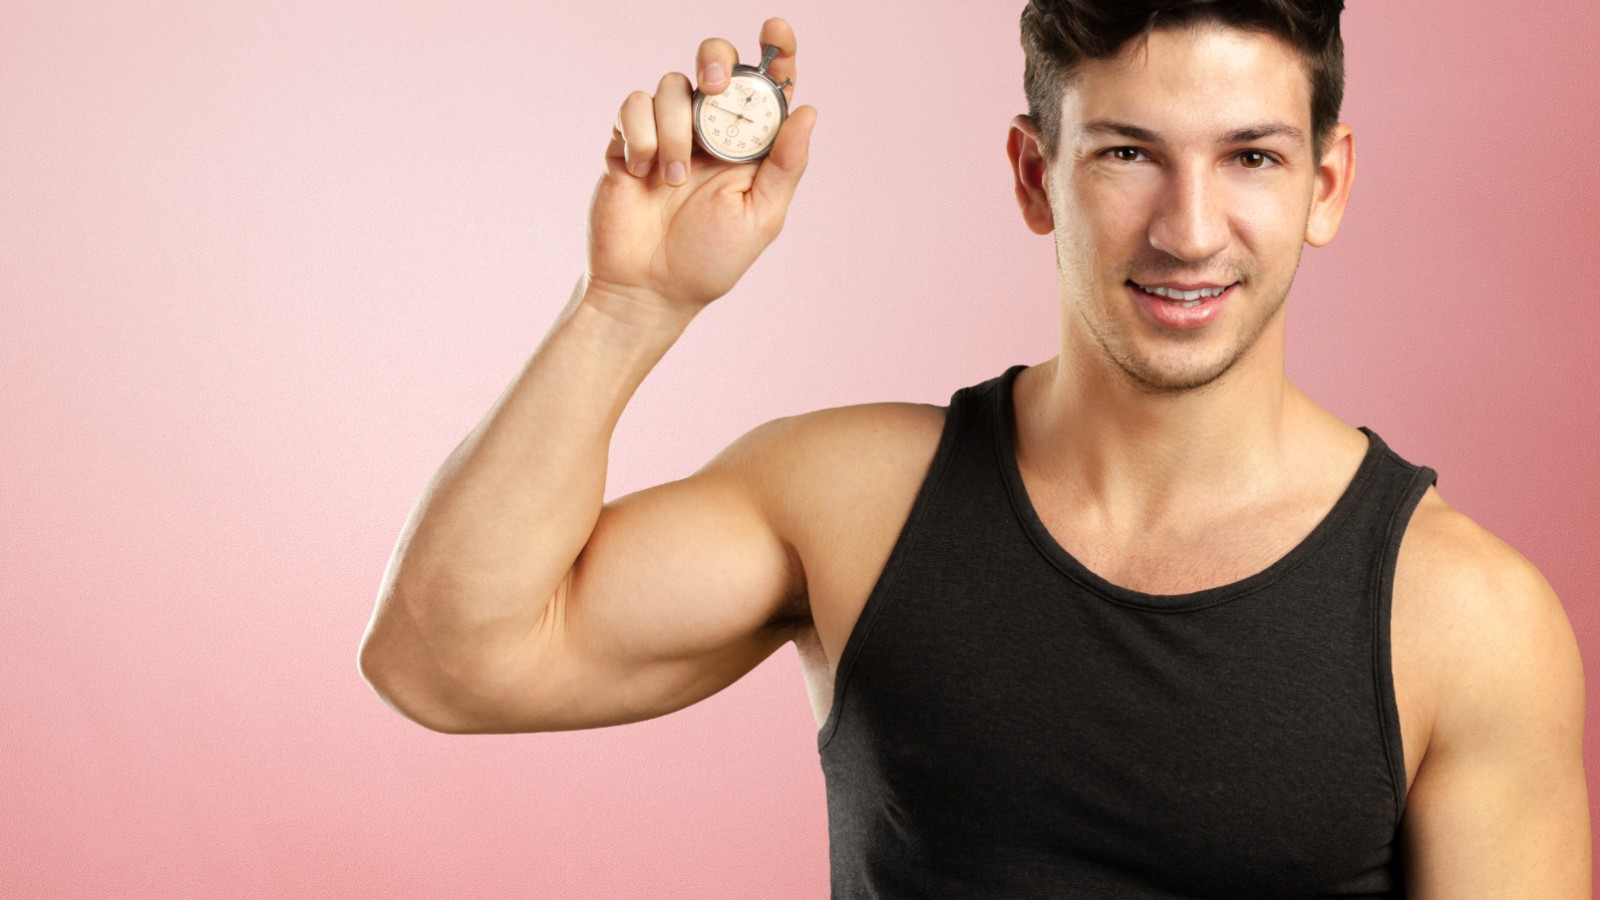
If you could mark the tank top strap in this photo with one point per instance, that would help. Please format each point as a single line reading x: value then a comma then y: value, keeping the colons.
x: 1378, y: 498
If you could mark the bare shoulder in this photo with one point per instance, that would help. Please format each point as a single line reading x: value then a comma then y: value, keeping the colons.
x: 805, y: 464
x: 1483, y: 623
x: 836, y: 485
x: 1499, y: 806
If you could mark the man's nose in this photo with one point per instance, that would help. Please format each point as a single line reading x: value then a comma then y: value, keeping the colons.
x: 1191, y: 222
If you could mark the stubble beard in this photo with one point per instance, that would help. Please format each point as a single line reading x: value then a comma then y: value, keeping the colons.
x: 1120, y: 346
x: 1145, y: 375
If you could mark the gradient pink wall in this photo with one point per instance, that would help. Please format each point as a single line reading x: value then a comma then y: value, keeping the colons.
x: 264, y: 264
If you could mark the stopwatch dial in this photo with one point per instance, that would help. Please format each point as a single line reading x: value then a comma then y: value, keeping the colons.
x: 742, y: 121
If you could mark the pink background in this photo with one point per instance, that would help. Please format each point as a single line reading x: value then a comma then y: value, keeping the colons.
x: 264, y: 264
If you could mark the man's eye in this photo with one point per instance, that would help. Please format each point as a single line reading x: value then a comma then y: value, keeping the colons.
x: 1255, y: 159
x: 1118, y: 151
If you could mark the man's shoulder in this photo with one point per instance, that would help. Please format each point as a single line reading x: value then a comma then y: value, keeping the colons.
x: 1501, y: 788
x: 804, y: 469
x: 1490, y: 626
x: 1476, y: 576
x: 827, y: 436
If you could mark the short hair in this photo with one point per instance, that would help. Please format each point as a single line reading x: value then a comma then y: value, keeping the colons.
x: 1059, y: 34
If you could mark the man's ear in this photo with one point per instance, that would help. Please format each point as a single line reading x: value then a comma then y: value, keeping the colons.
x: 1029, y: 172
x: 1336, y: 171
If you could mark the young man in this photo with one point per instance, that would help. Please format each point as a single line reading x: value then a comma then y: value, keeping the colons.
x: 1142, y: 620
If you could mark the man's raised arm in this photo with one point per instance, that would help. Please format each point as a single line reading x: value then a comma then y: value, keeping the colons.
x: 516, y: 600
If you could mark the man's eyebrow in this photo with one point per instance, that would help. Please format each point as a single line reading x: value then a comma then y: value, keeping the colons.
x: 1238, y: 136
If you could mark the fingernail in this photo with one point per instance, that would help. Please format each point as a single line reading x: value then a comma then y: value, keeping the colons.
x: 640, y: 167
x: 712, y: 75
x: 675, y: 173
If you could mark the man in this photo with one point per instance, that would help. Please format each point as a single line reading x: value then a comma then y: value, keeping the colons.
x: 1142, y: 620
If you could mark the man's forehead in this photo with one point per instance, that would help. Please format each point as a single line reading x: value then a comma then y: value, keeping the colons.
x: 1241, y: 134
x: 1208, y: 83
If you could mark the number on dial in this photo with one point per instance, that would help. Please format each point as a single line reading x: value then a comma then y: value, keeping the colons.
x: 747, y: 101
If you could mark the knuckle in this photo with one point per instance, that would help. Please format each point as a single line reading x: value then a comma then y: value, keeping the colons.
x: 672, y: 81
x: 636, y: 101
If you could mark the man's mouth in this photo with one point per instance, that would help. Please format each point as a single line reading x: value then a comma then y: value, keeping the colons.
x: 1188, y: 299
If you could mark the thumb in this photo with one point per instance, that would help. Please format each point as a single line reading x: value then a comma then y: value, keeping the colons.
x: 781, y: 169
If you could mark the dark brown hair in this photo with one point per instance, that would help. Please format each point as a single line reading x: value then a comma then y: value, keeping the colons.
x: 1058, y: 34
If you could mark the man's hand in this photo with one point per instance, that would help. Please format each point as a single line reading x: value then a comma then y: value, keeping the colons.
x: 669, y: 224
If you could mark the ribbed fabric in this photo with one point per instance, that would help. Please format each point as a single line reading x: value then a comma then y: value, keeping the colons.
x: 1006, y: 723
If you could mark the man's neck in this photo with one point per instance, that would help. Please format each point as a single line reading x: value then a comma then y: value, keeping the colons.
x: 1140, y: 462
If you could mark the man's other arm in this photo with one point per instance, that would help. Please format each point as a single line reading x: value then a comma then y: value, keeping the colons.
x: 664, y: 596
x: 1500, y: 807
x: 515, y: 600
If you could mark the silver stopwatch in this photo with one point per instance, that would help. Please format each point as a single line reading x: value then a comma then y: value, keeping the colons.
x: 740, y: 124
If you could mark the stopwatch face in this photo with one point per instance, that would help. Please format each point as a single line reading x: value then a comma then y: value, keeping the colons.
x: 740, y: 123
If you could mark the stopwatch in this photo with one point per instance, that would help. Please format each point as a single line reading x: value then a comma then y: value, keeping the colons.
x: 740, y: 124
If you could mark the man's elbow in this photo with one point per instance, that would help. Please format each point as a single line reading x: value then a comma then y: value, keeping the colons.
x: 400, y: 688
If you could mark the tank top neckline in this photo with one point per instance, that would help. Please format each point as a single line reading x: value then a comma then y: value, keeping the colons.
x: 1004, y: 417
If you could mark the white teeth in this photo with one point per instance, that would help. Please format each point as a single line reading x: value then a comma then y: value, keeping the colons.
x: 1183, y: 295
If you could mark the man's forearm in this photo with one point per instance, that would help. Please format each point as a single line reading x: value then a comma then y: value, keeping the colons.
x: 508, y: 512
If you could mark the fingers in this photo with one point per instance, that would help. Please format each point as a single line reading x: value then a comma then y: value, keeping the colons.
x: 781, y: 169
x: 717, y: 57
x: 658, y: 131
x: 636, y: 126
x: 777, y: 33
x: 713, y: 63
x: 674, y: 128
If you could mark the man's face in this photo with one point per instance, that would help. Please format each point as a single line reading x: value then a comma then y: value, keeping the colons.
x: 1152, y: 185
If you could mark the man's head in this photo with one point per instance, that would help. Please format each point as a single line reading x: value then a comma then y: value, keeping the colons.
x: 1180, y: 143
x: 1058, y: 35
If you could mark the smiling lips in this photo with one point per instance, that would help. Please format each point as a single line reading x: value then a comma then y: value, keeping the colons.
x: 1182, y: 307
x: 1183, y: 293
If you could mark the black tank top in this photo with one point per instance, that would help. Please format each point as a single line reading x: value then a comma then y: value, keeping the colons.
x: 1006, y: 723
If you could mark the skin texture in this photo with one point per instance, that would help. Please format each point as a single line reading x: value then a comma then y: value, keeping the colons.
x: 1189, y: 214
